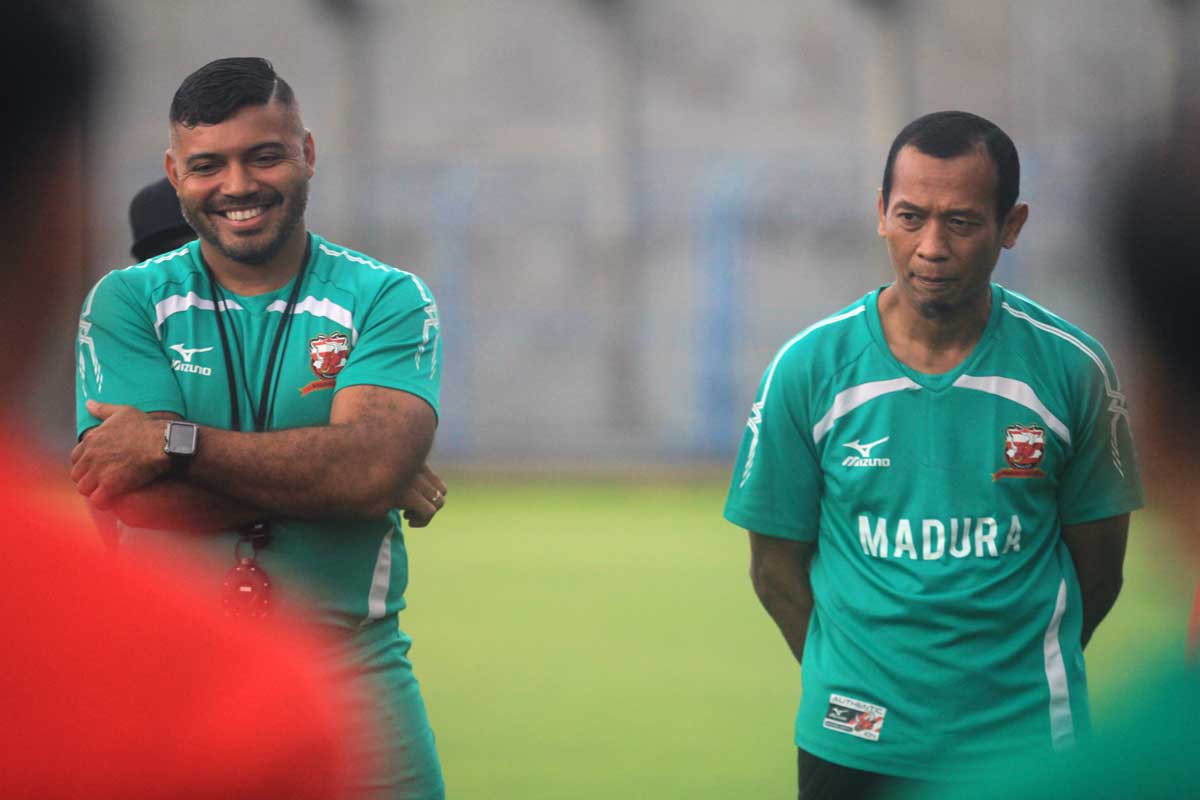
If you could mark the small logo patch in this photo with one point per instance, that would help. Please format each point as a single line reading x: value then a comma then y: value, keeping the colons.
x: 1024, y: 448
x: 327, y: 356
x: 186, y: 364
x: 847, y: 715
x: 863, y: 459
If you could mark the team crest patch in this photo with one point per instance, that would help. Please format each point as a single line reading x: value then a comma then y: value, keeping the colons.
x: 1024, y: 448
x: 327, y: 356
x: 847, y: 715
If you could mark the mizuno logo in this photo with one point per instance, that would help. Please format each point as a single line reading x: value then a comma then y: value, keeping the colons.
x: 187, y: 353
x: 864, y: 450
x: 863, y: 459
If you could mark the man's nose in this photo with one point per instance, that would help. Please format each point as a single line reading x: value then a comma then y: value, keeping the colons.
x: 932, y: 244
x: 239, y: 181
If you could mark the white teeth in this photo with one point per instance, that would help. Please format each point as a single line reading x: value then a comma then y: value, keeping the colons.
x: 241, y: 214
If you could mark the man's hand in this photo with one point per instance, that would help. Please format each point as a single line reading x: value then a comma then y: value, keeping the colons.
x: 123, y: 453
x: 423, y: 498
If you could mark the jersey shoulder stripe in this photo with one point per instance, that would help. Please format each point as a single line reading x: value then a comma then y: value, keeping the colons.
x: 754, y: 423
x: 1045, y: 323
x: 332, y: 256
x: 1039, y: 318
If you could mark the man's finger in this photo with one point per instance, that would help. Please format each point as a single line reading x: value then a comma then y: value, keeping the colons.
x: 76, y: 452
x: 86, y: 485
x: 437, y: 483
x: 101, y: 498
x: 101, y: 410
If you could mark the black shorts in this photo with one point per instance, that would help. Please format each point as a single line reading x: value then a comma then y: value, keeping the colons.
x: 818, y: 779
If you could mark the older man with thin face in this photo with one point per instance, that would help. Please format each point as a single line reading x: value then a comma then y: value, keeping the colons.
x: 936, y: 481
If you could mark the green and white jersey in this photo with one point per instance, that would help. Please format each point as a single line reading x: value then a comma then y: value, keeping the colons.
x: 149, y: 337
x: 947, y: 617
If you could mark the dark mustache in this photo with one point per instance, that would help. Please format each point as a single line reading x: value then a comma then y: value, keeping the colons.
x: 248, y: 201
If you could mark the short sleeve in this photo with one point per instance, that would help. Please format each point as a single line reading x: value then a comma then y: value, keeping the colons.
x: 399, y: 345
x: 776, y: 485
x: 119, y: 359
x: 1101, y: 478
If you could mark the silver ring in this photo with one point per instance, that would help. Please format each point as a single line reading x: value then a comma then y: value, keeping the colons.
x: 437, y: 495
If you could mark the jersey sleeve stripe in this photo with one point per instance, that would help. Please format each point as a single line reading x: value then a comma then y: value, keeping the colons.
x: 849, y: 399
x: 1062, y: 726
x: 1019, y: 392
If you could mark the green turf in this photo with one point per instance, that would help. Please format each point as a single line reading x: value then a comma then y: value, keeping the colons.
x: 601, y: 640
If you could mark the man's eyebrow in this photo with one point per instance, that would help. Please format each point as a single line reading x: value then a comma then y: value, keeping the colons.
x: 196, y: 157
x: 907, y: 205
x: 963, y: 212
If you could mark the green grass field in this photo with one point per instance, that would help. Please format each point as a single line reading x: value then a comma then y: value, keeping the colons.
x: 601, y: 640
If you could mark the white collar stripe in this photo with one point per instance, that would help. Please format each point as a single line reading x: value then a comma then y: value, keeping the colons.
x: 1019, y: 392
x: 849, y: 399
x: 176, y: 303
x: 324, y: 308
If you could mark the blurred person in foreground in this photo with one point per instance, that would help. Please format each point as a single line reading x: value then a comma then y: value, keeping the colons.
x: 116, y: 683
x: 260, y: 403
x: 156, y: 222
x: 1149, y: 747
x: 937, y: 483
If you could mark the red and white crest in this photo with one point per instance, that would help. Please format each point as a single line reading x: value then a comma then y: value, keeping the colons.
x: 1024, y: 449
x: 327, y: 356
x: 1024, y: 446
x: 329, y: 353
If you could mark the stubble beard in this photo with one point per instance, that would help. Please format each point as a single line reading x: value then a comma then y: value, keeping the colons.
x: 249, y: 253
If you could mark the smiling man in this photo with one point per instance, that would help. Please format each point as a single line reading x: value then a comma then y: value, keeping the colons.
x: 937, y: 482
x: 261, y: 402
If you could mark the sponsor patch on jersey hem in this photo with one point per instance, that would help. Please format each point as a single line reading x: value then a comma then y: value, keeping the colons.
x: 847, y: 715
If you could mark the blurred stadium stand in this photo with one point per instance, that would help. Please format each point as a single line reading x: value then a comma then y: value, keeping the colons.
x: 625, y: 206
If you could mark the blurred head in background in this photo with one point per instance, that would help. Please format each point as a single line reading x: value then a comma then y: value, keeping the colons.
x: 47, y: 59
x: 156, y: 222
x: 1156, y: 227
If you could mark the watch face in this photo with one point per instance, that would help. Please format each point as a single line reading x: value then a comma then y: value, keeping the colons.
x: 181, y: 439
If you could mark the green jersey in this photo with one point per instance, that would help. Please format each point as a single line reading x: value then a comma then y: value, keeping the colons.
x: 149, y: 337
x: 947, y: 617
x: 1148, y: 750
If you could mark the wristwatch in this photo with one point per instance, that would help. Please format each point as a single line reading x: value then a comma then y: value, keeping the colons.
x: 179, y: 443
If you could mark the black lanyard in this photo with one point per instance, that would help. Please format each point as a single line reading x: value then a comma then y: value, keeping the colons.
x: 261, y: 408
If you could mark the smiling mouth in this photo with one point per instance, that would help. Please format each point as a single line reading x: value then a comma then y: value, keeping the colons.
x: 243, y: 214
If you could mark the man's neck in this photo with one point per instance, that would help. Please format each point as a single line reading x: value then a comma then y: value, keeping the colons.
x: 936, y: 343
x: 253, y: 279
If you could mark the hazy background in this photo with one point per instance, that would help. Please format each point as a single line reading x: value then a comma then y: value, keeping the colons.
x: 625, y: 206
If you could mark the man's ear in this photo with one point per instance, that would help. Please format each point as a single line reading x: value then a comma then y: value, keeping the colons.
x: 881, y: 211
x: 310, y: 152
x: 1013, y: 223
x: 169, y: 168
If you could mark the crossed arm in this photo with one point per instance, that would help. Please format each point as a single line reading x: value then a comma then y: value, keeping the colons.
x: 368, y: 459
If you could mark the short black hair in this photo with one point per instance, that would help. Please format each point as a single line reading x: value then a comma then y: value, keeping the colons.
x: 1156, y: 243
x: 947, y: 134
x: 48, y: 58
x: 221, y: 88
